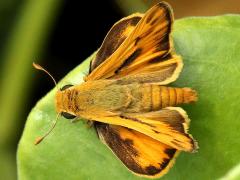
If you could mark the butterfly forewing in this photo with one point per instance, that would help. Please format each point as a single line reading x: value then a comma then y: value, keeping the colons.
x: 147, y: 44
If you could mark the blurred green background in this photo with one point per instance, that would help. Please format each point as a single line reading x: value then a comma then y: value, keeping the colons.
x: 59, y: 35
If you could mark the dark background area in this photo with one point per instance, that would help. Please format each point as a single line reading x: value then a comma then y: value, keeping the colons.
x: 78, y: 32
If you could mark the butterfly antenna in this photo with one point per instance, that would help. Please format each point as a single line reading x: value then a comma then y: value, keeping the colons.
x: 41, y: 138
x: 38, y: 67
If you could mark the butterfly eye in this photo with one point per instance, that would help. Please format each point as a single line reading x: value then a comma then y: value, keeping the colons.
x: 67, y: 115
x: 65, y: 87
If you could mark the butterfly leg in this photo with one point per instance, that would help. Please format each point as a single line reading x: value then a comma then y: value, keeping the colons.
x: 74, y: 120
x: 90, y: 123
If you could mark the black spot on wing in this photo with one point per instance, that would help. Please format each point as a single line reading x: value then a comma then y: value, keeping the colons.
x: 160, y: 59
x: 151, y: 170
x: 170, y: 152
x: 130, y: 59
x: 164, y: 164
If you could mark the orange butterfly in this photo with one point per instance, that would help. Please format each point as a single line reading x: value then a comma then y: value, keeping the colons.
x: 125, y: 97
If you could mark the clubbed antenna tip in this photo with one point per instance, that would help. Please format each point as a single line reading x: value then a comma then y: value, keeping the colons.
x: 41, y: 138
x: 38, y: 140
x: 38, y: 67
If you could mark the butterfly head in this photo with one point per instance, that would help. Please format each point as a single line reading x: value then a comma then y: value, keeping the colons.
x: 65, y: 102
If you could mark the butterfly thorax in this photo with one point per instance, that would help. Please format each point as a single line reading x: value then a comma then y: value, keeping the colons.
x: 93, y: 96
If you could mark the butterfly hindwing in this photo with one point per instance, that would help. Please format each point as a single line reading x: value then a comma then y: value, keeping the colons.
x: 137, y: 148
x: 140, y: 153
x: 168, y: 125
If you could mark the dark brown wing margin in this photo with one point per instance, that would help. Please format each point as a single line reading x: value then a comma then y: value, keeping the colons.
x: 115, y: 37
x: 140, y: 153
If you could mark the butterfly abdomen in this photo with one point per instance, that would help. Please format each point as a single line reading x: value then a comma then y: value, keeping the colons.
x: 155, y: 97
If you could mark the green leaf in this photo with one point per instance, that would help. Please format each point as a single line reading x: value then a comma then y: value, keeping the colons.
x: 211, y: 51
x: 233, y: 174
